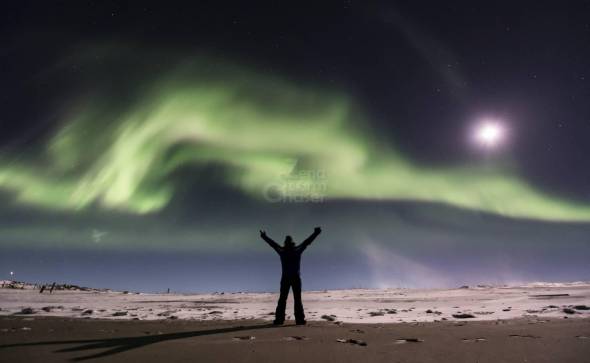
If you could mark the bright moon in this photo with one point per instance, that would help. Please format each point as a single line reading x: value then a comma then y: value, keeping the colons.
x: 489, y: 133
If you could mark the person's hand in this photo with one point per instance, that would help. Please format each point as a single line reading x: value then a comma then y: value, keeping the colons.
x: 262, y: 233
x: 317, y: 230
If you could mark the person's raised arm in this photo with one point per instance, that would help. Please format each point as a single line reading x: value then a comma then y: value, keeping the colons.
x: 309, y: 240
x: 270, y: 242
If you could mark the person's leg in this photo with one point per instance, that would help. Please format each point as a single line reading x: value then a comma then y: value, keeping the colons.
x: 299, y: 314
x: 282, y: 303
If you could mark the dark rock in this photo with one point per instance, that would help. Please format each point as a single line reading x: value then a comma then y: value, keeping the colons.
x: 27, y: 311
x: 524, y: 336
x: 463, y: 316
x: 245, y: 337
x: 329, y: 317
x: 376, y: 313
x: 569, y: 311
x: 409, y: 340
x: 87, y: 312
x: 352, y: 341
x: 464, y: 287
x: 474, y: 340
x: 582, y: 307
x: 429, y: 311
x: 120, y: 313
x: 548, y: 296
x: 297, y: 337
x: 47, y: 308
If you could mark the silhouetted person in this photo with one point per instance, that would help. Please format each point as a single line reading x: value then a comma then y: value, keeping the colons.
x: 290, y: 261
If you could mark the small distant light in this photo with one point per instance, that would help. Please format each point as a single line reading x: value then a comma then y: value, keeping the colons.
x: 11, y: 273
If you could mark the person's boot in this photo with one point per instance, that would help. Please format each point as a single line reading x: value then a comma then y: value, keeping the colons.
x: 278, y: 322
x: 301, y: 322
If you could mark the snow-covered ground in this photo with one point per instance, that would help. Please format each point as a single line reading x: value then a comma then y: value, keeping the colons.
x: 536, y: 301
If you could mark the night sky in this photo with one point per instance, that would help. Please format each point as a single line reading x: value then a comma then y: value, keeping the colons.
x: 143, y: 145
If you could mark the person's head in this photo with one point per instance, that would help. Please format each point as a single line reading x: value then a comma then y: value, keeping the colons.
x: 289, y: 242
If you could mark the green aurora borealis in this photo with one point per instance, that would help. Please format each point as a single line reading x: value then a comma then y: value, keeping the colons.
x: 143, y: 146
x: 259, y: 128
